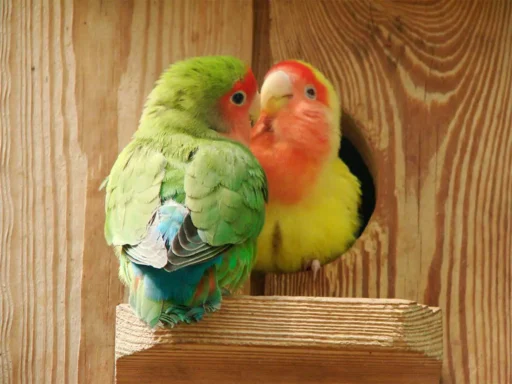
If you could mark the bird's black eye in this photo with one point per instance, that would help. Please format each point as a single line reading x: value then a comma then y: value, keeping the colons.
x: 238, y: 98
x: 310, y: 92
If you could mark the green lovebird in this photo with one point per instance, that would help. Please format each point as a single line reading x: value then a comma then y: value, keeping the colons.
x: 185, y: 199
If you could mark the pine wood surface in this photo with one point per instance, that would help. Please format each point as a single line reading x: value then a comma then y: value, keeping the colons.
x: 431, y: 85
x: 73, y: 77
x: 287, y: 340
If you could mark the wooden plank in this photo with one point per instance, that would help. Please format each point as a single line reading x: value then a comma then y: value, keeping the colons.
x: 42, y: 186
x: 431, y: 83
x: 73, y: 78
x: 287, y: 340
x: 136, y: 41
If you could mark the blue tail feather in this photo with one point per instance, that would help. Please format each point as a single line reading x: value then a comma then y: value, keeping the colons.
x: 166, y: 297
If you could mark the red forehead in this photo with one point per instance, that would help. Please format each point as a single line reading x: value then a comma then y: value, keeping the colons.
x: 305, y: 73
x: 248, y: 84
x: 296, y: 67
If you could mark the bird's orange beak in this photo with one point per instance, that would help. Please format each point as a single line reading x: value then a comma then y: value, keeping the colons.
x: 276, y: 92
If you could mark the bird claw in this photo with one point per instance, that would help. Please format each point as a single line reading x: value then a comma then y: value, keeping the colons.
x: 313, y: 265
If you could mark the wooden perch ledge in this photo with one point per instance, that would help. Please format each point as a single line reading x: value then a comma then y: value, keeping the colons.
x: 283, y: 339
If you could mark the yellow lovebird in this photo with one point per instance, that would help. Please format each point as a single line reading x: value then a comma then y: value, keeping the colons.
x: 312, y: 214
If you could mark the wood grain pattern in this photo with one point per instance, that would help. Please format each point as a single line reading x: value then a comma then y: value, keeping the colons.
x: 73, y: 78
x: 145, y: 38
x: 318, y: 340
x: 42, y: 195
x: 431, y: 82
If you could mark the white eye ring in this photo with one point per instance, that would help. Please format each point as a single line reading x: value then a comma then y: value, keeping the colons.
x: 238, y: 98
x: 310, y: 92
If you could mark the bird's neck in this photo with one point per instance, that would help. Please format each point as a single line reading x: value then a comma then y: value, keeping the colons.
x: 291, y: 171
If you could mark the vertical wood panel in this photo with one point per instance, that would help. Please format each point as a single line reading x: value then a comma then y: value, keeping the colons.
x: 135, y: 41
x: 42, y: 201
x: 98, y: 37
x: 431, y: 83
x: 73, y: 78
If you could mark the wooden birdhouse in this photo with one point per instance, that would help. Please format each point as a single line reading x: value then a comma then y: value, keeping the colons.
x: 423, y: 295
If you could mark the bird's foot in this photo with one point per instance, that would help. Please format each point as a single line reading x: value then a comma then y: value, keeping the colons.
x: 211, y: 306
x: 313, y: 265
x: 177, y: 314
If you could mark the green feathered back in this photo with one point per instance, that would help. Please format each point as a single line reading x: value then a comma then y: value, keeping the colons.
x: 178, y: 155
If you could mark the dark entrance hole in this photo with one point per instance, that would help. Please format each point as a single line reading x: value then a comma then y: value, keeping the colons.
x: 355, y: 152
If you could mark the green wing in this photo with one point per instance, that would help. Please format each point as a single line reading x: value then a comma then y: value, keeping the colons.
x: 133, y: 194
x: 226, y: 191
